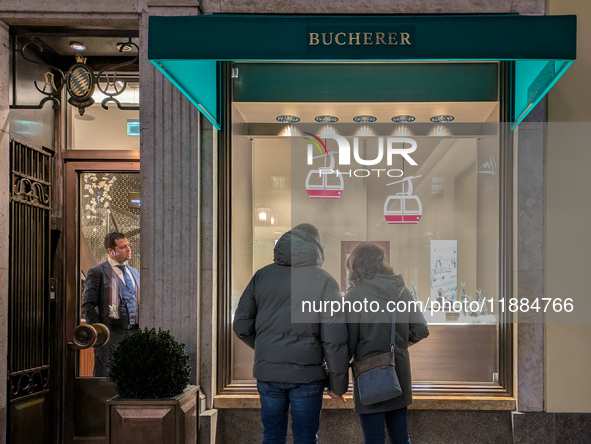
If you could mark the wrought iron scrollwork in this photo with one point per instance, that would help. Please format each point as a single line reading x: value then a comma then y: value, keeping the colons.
x: 30, y: 191
x: 29, y: 382
x: 111, y: 79
x: 54, y: 91
x: 80, y: 81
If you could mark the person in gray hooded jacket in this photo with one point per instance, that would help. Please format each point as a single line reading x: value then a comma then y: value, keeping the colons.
x: 374, y: 282
x: 293, y: 361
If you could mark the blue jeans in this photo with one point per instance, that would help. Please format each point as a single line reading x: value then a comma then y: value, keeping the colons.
x: 373, y: 427
x: 306, y: 403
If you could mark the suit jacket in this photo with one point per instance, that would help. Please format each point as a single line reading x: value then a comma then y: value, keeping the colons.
x: 100, y: 282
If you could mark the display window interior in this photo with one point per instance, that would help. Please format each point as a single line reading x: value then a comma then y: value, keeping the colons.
x: 439, y: 220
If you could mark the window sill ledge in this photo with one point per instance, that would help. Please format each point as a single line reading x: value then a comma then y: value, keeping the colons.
x: 420, y: 402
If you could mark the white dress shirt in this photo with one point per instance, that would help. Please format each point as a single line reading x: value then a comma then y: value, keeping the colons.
x: 114, y: 265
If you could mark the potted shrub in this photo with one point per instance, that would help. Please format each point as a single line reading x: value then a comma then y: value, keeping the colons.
x: 155, y: 404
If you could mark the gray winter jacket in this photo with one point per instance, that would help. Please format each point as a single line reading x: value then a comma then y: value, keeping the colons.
x: 369, y: 333
x: 285, y: 351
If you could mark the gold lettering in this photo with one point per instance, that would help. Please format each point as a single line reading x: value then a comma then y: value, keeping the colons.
x: 404, y: 37
x: 356, y: 38
x: 380, y: 38
x: 336, y: 38
x: 314, y: 40
x: 324, y: 39
x: 367, y: 38
x: 392, y: 38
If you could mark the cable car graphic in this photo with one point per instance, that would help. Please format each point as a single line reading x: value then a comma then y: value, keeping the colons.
x: 317, y: 185
x: 403, y: 208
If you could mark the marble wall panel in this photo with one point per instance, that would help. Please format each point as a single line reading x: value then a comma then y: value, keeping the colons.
x: 3, y: 424
x: 208, y: 426
x: 70, y: 6
x: 533, y: 428
x: 529, y: 275
x: 446, y: 426
x: 573, y: 428
x: 530, y: 200
x: 170, y: 208
x: 530, y: 365
x: 4, y: 221
x: 536, y: 7
x: 425, y: 426
x: 209, y: 258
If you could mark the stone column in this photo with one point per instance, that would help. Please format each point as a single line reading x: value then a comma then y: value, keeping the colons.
x: 529, y: 267
x: 170, y: 211
x: 209, y: 258
x: 4, y: 221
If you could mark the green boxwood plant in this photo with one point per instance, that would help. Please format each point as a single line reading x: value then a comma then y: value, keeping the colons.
x: 150, y: 364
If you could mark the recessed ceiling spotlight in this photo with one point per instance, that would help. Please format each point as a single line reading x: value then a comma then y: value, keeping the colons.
x: 288, y: 119
x: 442, y: 119
x: 77, y: 46
x: 403, y: 119
x: 326, y: 119
x: 364, y: 119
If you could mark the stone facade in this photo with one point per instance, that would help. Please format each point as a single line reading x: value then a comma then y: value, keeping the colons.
x: 4, y: 221
x: 179, y: 223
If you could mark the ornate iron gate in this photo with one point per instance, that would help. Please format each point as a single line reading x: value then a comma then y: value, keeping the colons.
x: 28, y: 297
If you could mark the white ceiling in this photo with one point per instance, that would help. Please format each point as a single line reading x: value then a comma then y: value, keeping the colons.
x: 267, y: 112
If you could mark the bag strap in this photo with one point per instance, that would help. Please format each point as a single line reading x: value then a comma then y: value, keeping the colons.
x: 393, y: 331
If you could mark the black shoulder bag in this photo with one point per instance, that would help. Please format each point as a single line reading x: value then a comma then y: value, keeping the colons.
x: 377, y: 380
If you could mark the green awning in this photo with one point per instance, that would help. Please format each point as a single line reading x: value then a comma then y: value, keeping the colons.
x: 188, y: 49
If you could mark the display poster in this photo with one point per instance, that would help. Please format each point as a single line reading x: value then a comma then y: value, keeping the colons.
x: 444, y: 270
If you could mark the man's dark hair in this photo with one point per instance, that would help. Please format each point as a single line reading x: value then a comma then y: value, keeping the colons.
x: 111, y: 238
x: 308, y: 228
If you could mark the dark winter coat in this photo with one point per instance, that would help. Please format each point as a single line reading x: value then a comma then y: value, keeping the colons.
x: 287, y: 351
x: 369, y: 333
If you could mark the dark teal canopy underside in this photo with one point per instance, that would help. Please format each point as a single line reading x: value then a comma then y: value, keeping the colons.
x: 188, y: 50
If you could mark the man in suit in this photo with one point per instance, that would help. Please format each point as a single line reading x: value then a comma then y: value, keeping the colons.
x: 111, y: 297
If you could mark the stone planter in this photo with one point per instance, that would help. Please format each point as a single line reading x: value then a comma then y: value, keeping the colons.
x: 154, y: 421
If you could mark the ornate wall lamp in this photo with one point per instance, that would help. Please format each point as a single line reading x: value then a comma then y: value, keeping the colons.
x: 80, y: 82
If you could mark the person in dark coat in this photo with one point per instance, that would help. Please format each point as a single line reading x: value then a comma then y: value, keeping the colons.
x: 373, y: 280
x: 111, y: 296
x: 294, y: 361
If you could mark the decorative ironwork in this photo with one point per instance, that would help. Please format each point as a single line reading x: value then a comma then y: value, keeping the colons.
x: 29, y: 382
x: 50, y: 90
x: 30, y: 191
x: 29, y: 272
x: 111, y: 79
x: 80, y: 81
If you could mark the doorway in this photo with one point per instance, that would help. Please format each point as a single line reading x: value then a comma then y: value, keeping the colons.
x: 101, y: 196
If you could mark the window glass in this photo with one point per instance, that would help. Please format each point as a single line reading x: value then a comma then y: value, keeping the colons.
x: 437, y: 219
x: 108, y: 202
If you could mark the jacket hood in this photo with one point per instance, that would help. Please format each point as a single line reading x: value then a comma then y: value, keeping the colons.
x: 297, y: 248
x: 384, y: 286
